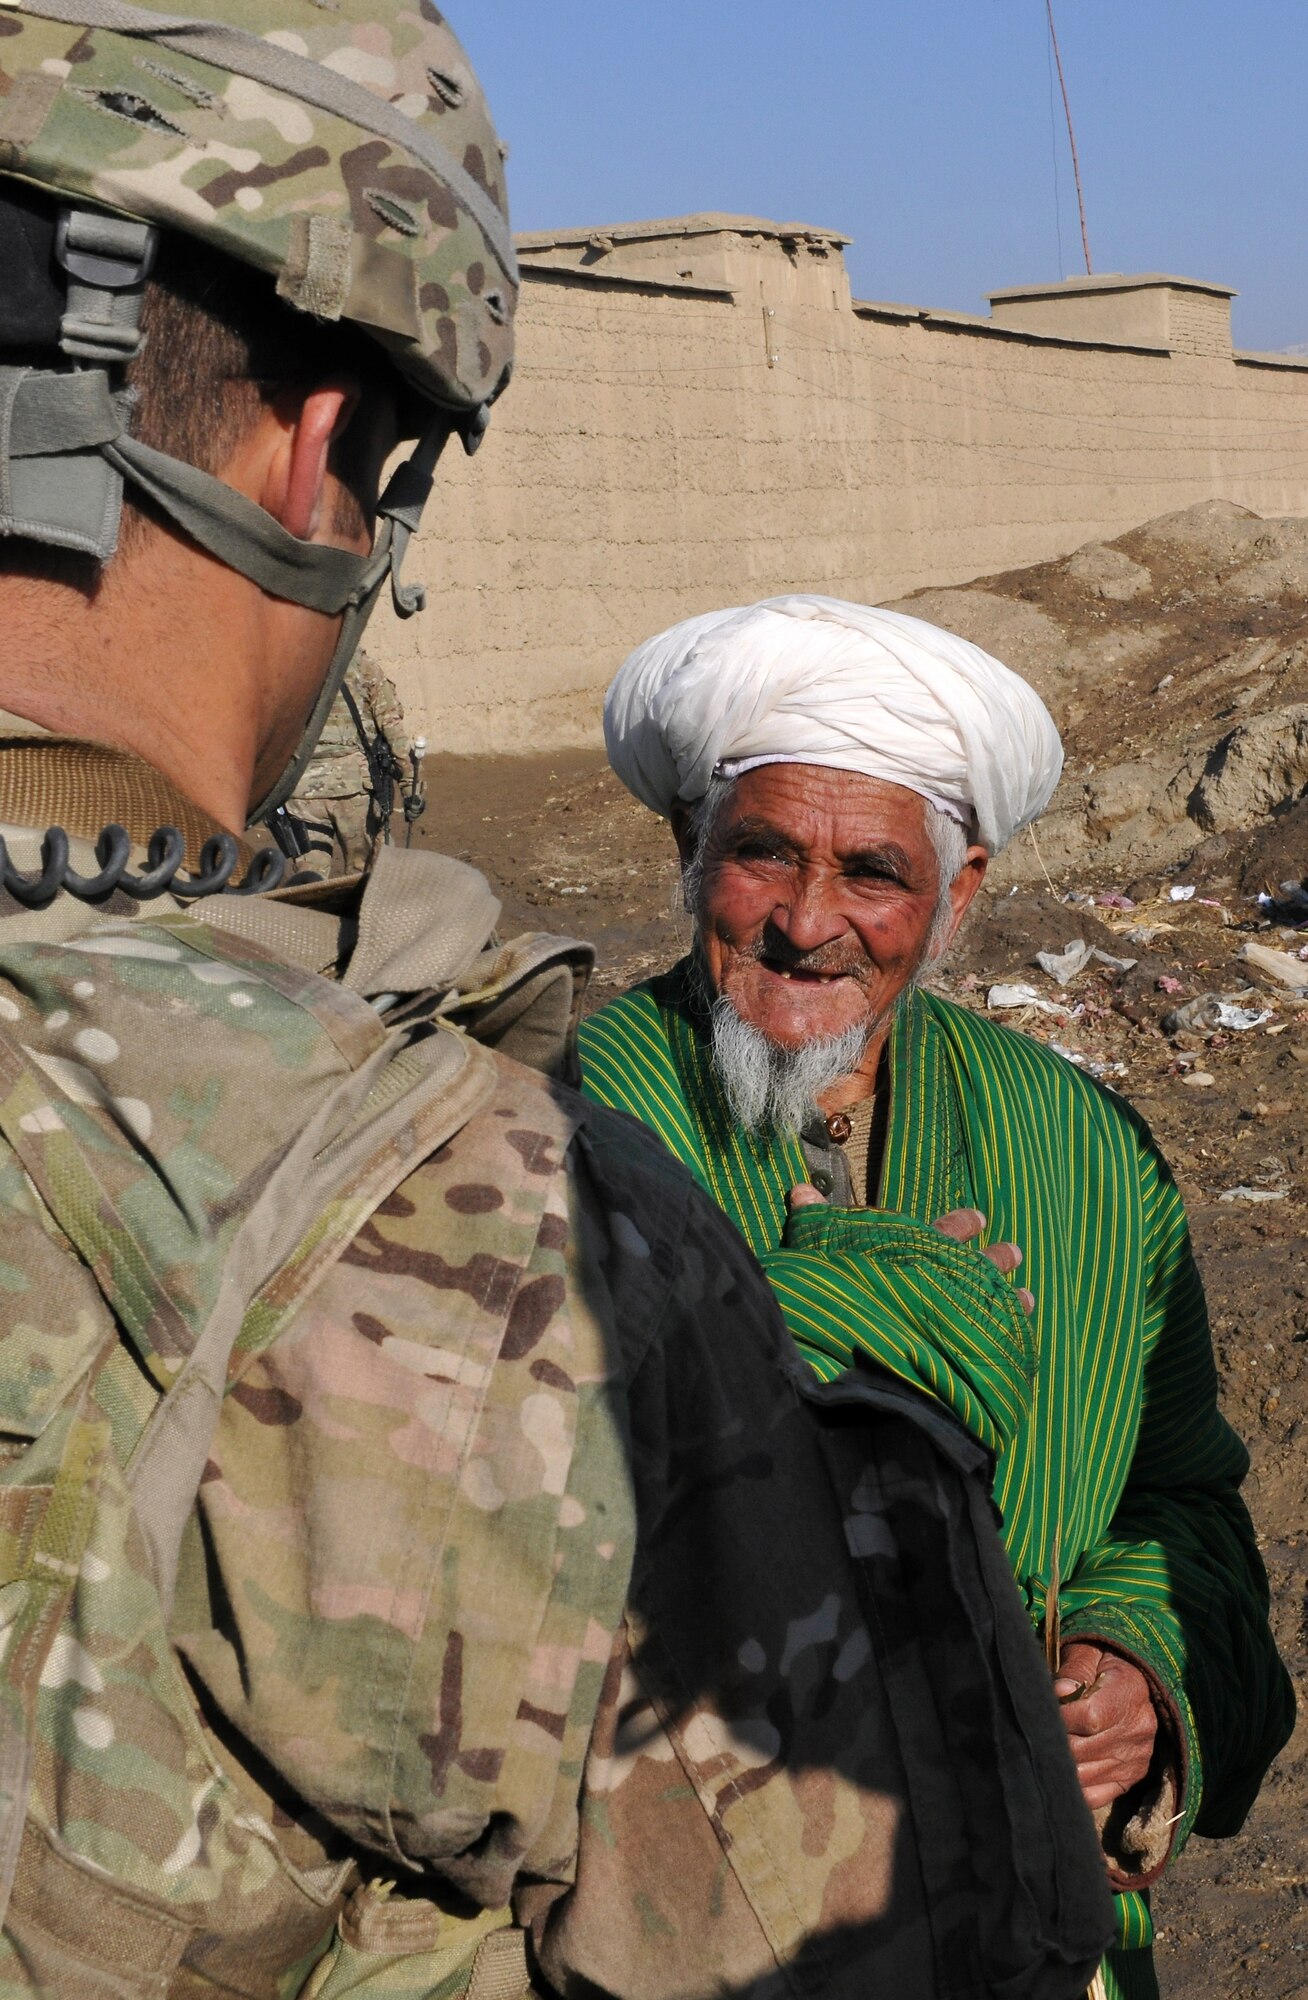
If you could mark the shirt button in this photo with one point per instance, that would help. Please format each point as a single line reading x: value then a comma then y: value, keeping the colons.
x: 822, y: 1181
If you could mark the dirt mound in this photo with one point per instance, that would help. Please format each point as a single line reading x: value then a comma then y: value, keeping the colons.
x: 1108, y: 572
x: 1005, y: 933
x: 1175, y: 661
x: 1259, y: 769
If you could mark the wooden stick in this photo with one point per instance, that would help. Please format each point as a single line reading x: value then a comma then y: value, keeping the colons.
x: 1053, y: 1617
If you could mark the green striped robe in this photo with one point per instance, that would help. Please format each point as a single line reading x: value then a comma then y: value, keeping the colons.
x: 1101, y: 1408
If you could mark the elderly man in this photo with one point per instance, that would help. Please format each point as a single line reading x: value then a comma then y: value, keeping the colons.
x: 837, y: 779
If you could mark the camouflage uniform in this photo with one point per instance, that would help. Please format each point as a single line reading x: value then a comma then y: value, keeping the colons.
x: 334, y: 799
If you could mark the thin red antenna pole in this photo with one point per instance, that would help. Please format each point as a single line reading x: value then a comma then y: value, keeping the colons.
x: 1071, y: 135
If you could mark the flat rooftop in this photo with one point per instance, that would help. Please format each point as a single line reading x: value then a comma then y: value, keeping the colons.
x: 706, y: 224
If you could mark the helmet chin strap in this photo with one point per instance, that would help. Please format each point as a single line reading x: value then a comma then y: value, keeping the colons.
x: 399, y: 513
x: 247, y: 539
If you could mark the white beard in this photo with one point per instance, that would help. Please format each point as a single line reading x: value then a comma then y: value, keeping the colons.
x: 770, y: 1086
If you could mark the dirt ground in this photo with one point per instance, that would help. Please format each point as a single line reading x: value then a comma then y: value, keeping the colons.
x: 1197, y: 786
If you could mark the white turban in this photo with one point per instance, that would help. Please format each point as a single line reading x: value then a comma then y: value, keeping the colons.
x: 812, y: 680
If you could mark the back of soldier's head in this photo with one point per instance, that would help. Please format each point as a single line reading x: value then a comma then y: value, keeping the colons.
x: 217, y: 345
x: 195, y: 215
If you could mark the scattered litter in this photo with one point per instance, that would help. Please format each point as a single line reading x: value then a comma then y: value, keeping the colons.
x: 1242, y: 1018
x: 1278, y: 965
x: 1098, y: 1067
x: 1243, y: 1193
x: 1200, y: 1078
x: 1066, y: 965
x: 1197, y: 1016
x: 1165, y: 682
x: 1004, y: 997
x: 1181, y: 892
x: 1210, y: 1012
x: 1169, y: 985
x: 1144, y: 933
x: 1113, y: 899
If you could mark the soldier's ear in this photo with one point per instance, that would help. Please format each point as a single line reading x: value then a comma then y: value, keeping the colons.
x: 282, y: 461
x: 300, y: 471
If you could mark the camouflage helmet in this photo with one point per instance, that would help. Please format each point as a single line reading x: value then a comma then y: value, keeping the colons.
x: 346, y: 150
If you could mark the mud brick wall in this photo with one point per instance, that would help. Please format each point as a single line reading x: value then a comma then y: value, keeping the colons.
x: 702, y: 416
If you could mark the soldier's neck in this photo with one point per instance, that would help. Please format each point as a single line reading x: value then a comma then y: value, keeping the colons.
x: 170, y: 660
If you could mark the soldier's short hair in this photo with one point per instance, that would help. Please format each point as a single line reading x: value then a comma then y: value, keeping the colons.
x: 219, y: 346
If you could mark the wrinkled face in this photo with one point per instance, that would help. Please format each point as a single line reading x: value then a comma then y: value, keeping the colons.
x: 818, y: 896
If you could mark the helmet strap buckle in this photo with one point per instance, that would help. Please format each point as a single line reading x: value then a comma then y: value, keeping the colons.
x: 108, y: 259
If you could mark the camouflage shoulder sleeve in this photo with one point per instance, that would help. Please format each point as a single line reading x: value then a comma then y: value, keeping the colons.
x: 419, y: 1600
x: 417, y: 1528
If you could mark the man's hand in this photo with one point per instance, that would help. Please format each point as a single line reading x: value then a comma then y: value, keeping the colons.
x: 961, y: 1225
x: 965, y: 1224
x: 1110, y: 1717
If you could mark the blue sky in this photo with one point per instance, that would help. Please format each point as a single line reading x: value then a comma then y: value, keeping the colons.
x: 923, y: 129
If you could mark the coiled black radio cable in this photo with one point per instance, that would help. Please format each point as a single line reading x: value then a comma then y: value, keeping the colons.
x: 219, y: 858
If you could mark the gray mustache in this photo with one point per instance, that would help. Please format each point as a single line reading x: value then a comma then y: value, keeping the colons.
x: 831, y: 961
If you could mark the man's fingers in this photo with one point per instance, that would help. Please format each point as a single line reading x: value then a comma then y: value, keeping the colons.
x: 1110, y: 1720
x: 806, y: 1196
x: 1113, y: 1691
x: 1081, y: 1662
x: 962, y: 1224
x: 1108, y: 1773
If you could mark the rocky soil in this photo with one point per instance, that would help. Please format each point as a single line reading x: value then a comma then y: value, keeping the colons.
x: 1175, y: 660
